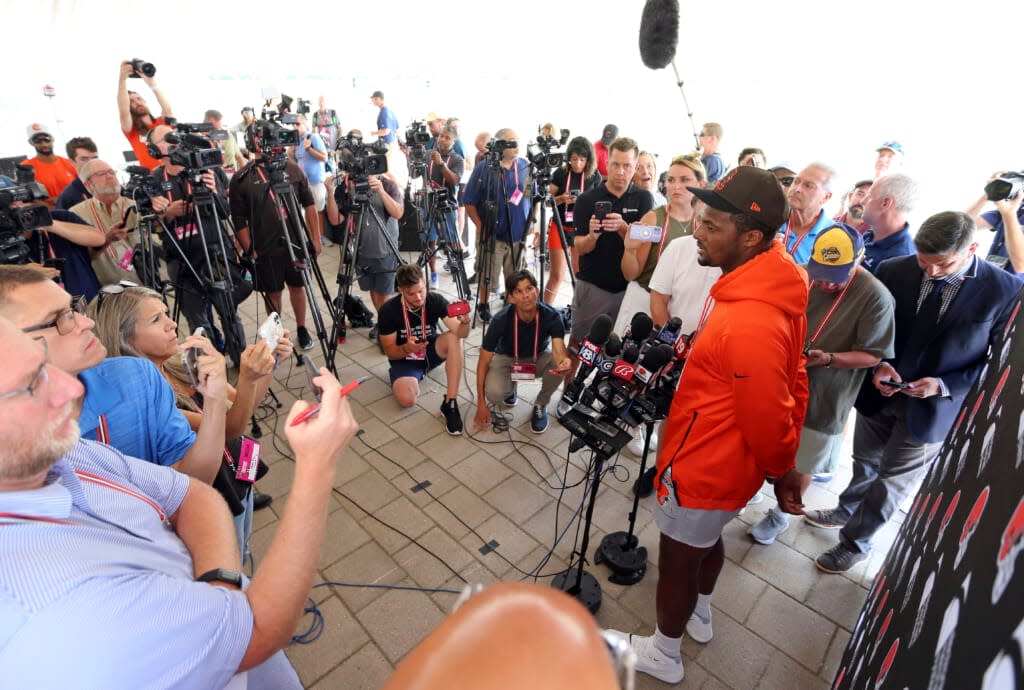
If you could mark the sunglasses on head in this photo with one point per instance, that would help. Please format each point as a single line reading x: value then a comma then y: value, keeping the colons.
x: 109, y: 290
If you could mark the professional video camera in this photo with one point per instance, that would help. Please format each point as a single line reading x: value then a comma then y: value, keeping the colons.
x: 497, y: 147
x: 14, y: 222
x: 1006, y: 186
x: 416, y: 138
x: 360, y: 160
x: 540, y: 154
x: 635, y: 380
x: 192, y: 150
x: 142, y: 185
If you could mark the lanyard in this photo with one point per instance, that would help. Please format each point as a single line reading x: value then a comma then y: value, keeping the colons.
x: 568, y: 182
x: 430, y: 170
x: 181, y: 232
x: 800, y: 239
x: 832, y: 310
x: 705, y: 313
x: 102, y: 226
x: 91, y: 478
x: 664, y: 232
x: 405, y: 315
x: 515, y: 335
x: 103, y: 431
x: 273, y: 197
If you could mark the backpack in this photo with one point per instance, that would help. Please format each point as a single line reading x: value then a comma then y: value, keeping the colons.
x: 357, y: 312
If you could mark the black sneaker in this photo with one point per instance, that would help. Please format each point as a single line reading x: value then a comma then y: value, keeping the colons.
x: 261, y: 500
x: 484, y: 312
x: 512, y: 398
x: 839, y: 559
x: 305, y: 340
x: 644, y: 486
x: 539, y: 420
x: 452, y: 417
x: 372, y: 335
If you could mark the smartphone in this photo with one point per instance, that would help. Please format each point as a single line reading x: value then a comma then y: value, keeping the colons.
x: 190, y: 360
x: 458, y: 308
x: 311, y: 371
x: 895, y: 384
x: 272, y: 330
x: 602, y: 209
x: 645, y: 233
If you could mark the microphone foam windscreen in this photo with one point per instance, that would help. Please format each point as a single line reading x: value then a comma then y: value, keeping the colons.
x: 614, y: 346
x: 640, y: 327
x: 657, y: 357
x: 659, y: 32
x: 600, y: 329
x: 631, y: 354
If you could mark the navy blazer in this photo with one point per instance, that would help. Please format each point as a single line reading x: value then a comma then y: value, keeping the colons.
x: 955, y: 350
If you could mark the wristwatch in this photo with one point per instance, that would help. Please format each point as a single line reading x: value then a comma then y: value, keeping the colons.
x: 232, y: 577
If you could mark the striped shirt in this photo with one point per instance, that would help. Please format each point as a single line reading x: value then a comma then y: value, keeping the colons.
x: 96, y: 589
x: 951, y: 285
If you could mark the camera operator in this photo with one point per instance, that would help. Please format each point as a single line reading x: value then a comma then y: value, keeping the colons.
x: 260, y: 231
x: 233, y: 158
x: 176, y: 210
x: 505, y: 186
x: 113, y: 215
x: 1007, y: 250
x: 136, y: 119
x: 376, y: 263
x: 444, y: 169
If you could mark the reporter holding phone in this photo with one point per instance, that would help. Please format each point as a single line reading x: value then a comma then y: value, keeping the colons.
x: 410, y: 337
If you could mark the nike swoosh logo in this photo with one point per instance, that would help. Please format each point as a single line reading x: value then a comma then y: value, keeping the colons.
x: 741, y: 376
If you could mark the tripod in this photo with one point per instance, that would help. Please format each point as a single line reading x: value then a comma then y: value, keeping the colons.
x: 296, y: 239
x: 547, y: 199
x: 360, y: 196
x: 436, y: 209
x: 489, y: 228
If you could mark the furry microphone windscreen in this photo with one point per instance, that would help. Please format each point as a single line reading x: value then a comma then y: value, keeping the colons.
x: 659, y: 32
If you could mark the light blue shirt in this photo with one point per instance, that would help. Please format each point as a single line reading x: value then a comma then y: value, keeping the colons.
x: 109, y: 600
x: 138, y: 404
x: 803, y: 251
x: 314, y: 169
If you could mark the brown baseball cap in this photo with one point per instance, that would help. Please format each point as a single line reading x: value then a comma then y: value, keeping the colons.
x: 752, y: 191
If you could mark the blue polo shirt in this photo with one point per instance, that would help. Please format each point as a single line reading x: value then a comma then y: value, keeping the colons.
x: 897, y: 244
x: 997, y: 253
x: 804, y: 249
x: 386, y: 119
x: 138, y: 404
x: 485, y: 184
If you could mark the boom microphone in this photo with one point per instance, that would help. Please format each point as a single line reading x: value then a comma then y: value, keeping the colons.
x: 659, y: 32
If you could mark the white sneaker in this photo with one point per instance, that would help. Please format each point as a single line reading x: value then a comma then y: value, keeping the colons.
x: 651, y: 660
x: 771, y: 526
x: 755, y: 499
x: 636, y: 446
x: 698, y: 630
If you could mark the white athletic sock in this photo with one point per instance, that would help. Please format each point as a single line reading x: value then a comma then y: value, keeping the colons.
x: 703, y: 609
x: 667, y: 645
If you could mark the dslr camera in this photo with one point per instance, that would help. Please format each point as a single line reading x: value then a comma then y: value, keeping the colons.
x: 1006, y: 186
x: 141, y: 68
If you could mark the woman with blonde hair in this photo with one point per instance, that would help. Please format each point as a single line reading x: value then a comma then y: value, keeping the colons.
x: 133, y: 321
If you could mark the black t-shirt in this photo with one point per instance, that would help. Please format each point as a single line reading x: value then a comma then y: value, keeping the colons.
x: 498, y: 338
x: 252, y: 207
x: 184, y: 228
x: 453, y: 161
x: 77, y: 273
x: 576, y: 183
x: 391, y: 320
x: 603, y: 266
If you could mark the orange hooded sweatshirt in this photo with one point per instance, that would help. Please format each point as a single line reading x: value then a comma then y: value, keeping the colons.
x: 739, y: 408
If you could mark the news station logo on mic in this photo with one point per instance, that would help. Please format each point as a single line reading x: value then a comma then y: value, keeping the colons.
x: 588, y: 353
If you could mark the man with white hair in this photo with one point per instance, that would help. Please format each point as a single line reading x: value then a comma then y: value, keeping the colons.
x: 888, y: 201
x: 809, y: 193
x: 111, y: 213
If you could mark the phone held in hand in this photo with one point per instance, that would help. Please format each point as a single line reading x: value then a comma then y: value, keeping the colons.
x: 311, y: 371
x: 895, y: 384
x: 458, y: 308
x: 272, y: 330
x: 645, y: 233
x: 190, y: 360
x: 602, y: 209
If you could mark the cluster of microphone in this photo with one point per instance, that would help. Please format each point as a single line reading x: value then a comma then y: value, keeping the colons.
x: 624, y: 381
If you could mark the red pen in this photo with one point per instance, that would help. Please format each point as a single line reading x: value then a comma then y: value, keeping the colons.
x: 310, y: 412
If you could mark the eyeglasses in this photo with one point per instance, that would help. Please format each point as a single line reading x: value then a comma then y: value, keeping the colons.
x: 104, y: 173
x: 787, y: 181
x: 109, y: 290
x: 38, y: 380
x: 42, y: 139
x: 704, y: 134
x: 66, y: 318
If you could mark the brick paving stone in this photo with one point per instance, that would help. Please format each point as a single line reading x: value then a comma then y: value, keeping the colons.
x: 399, y: 620
x: 798, y: 631
x: 342, y: 635
x: 367, y: 669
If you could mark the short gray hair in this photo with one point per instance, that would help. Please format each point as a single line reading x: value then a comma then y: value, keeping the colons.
x: 86, y: 172
x: 901, y: 189
x: 949, y: 232
x: 830, y: 173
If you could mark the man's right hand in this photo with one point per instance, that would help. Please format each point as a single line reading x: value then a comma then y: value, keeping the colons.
x: 482, y: 417
x: 319, y: 441
x: 885, y: 372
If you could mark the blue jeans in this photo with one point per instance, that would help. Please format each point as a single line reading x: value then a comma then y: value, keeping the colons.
x: 243, y: 526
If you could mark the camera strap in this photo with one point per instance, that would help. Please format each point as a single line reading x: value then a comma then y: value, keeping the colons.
x: 430, y: 170
x: 182, y: 231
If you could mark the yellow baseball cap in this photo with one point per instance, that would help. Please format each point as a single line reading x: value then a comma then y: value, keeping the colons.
x: 836, y: 252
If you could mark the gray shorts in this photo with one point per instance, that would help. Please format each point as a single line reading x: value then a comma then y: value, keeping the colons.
x: 589, y: 302
x: 691, y: 526
x: 378, y: 275
x: 818, y: 452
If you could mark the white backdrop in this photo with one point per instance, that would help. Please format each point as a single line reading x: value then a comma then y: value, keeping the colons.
x: 801, y: 79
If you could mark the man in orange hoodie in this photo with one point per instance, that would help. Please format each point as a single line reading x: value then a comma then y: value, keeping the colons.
x: 737, y: 413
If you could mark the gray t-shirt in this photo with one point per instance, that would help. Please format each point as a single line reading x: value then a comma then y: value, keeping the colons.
x: 864, y: 321
x: 372, y: 244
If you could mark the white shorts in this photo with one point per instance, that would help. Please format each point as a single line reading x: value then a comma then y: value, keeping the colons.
x: 691, y: 526
x: 319, y: 190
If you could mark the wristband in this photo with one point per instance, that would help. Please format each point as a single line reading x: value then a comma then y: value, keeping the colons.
x: 831, y: 359
x: 231, y: 577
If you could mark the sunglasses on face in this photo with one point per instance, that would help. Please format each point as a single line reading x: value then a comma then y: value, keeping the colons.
x: 42, y: 139
x: 787, y: 181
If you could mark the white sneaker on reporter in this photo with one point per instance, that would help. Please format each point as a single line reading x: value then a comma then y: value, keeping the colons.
x: 636, y: 446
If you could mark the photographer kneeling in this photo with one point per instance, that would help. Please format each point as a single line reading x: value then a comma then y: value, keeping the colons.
x: 523, y: 341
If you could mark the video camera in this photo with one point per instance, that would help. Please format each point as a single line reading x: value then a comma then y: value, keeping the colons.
x: 1006, y: 186
x: 142, y: 185
x: 14, y: 222
x: 359, y: 159
x: 193, y: 151
x: 416, y: 138
x: 542, y: 159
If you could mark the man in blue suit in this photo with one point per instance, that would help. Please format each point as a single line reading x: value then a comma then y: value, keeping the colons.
x: 950, y: 308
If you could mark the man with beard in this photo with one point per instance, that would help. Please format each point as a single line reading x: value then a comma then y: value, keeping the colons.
x: 853, y: 207
x: 736, y: 416
x: 110, y: 213
x: 136, y: 119
x: 886, y: 206
x: 809, y: 193
x: 131, y: 569
x: 444, y: 170
x: 53, y: 172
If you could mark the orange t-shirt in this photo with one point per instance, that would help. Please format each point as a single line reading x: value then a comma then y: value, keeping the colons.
x: 138, y: 145
x: 54, y: 176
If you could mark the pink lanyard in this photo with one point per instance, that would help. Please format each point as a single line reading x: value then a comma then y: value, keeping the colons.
x: 705, y: 314
x: 408, y: 327
x: 99, y: 481
x: 515, y: 336
x: 832, y: 310
x: 664, y: 233
x: 101, y: 226
x: 430, y: 171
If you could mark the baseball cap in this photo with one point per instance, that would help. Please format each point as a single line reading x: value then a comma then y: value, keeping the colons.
x: 893, y: 146
x: 836, y: 251
x: 749, y: 190
x: 782, y: 166
x: 36, y: 128
x: 377, y: 94
x: 609, y: 134
x: 248, y: 109
x: 432, y: 115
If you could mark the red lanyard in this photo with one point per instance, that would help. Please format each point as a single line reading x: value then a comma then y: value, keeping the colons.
x: 832, y: 310
x: 705, y: 313
x: 103, y: 431
x: 568, y: 182
x: 102, y: 226
x: 515, y: 335
x: 430, y: 171
x: 800, y: 239
x: 408, y: 327
x: 99, y: 481
x: 664, y: 232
